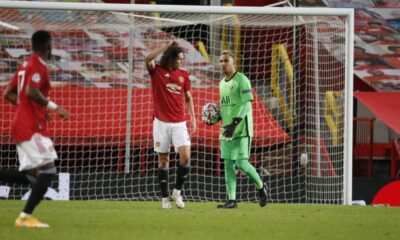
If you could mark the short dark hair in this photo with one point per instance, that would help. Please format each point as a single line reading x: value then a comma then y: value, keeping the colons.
x: 169, y: 55
x: 39, y: 40
x: 226, y: 52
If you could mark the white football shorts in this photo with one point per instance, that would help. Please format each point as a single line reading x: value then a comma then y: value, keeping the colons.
x: 36, y: 152
x: 166, y: 134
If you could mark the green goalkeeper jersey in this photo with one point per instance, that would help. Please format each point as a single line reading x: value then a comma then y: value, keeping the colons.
x: 233, y: 94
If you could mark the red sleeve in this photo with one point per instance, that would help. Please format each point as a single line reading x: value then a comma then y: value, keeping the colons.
x: 35, y: 78
x: 186, y: 88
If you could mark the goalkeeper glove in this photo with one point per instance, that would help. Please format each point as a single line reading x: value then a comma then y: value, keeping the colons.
x: 230, y: 129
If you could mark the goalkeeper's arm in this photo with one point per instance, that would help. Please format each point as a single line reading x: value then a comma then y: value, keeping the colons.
x: 230, y: 128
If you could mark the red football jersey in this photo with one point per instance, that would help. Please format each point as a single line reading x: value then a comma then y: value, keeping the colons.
x: 30, y: 117
x: 169, y: 89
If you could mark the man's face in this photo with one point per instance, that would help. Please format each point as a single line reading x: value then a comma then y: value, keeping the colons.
x: 178, y: 62
x: 227, y: 64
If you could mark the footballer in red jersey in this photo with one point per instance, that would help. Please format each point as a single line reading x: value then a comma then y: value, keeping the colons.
x: 30, y: 117
x: 28, y: 91
x: 171, y: 92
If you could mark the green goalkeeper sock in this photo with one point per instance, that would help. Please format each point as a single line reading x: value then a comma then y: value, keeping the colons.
x: 230, y: 178
x: 251, y: 172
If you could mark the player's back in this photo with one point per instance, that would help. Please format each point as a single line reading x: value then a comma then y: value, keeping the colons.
x: 30, y: 117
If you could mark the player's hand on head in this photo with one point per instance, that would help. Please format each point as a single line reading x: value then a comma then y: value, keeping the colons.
x: 64, y: 115
x: 173, y: 43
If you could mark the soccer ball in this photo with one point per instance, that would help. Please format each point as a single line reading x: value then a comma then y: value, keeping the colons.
x: 211, y: 113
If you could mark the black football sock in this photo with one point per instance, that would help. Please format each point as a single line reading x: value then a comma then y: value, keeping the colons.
x: 181, y: 175
x: 13, y: 176
x: 39, y: 189
x: 163, y: 180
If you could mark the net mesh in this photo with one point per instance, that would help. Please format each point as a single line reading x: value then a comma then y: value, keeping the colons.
x: 295, y: 65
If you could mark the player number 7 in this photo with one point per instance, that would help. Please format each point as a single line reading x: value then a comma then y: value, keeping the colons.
x: 21, y: 80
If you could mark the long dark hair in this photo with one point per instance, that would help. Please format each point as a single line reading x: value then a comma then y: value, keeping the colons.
x: 169, y: 55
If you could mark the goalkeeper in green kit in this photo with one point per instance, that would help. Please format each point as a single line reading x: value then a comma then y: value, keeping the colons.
x: 237, y: 129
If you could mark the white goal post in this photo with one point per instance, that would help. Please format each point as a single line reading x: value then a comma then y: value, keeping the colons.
x: 299, y: 62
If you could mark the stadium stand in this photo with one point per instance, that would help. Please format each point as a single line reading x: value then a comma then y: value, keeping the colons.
x: 376, y: 68
x: 377, y: 38
x: 92, y: 64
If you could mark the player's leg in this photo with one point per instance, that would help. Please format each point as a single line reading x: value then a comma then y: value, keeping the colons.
x: 15, y: 176
x: 46, y: 175
x: 230, y: 181
x: 183, y: 167
x: 163, y: 167
x: 181, y: 174
x: 243, y: 147
x: 162, y: 143
x: 181, y: 142
x: 230, y: 174
x: 38, y: 158
x: 251, y: 172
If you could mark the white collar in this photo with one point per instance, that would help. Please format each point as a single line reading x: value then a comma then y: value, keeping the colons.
x: 42, y: 61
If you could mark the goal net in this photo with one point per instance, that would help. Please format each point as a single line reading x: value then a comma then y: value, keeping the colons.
x: 299, y: 65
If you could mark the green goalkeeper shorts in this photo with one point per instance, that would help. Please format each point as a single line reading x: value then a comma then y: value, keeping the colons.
x: 238, y: 148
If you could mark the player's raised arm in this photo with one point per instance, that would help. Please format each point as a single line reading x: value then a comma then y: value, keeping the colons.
x: 149, y: 59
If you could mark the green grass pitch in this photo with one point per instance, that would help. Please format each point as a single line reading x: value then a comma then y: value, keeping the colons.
x: 120, y: 220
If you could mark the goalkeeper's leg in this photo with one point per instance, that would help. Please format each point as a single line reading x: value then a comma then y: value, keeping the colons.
x: 251, y: 172
x: 242, y: 154
x: 227, y: 150
x: 230, y: 178
x: 230, y: 181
